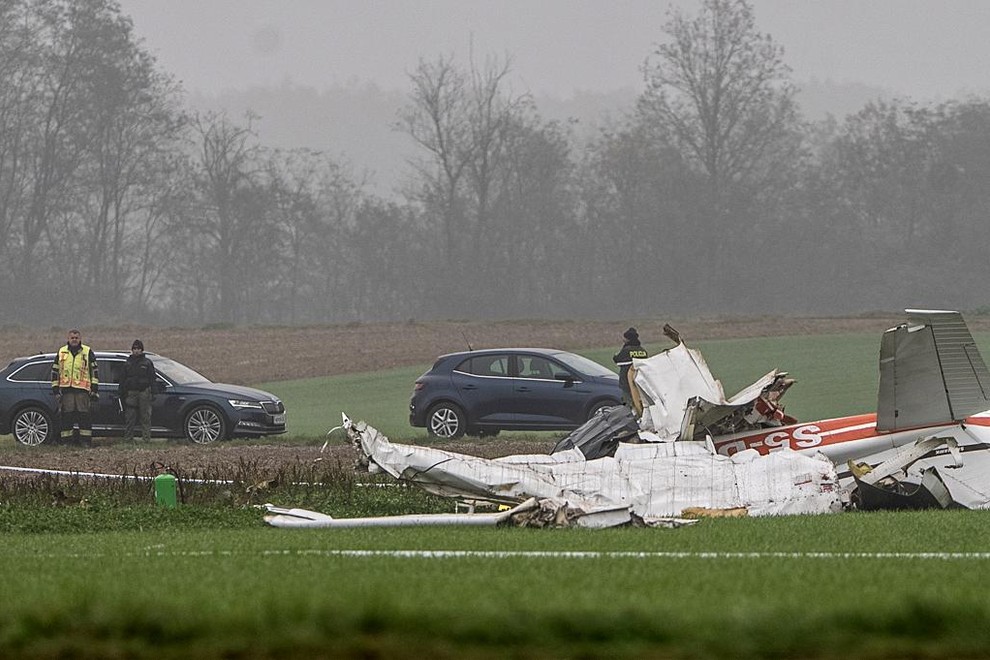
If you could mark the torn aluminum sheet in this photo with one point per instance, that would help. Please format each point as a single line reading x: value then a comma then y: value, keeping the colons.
x: 680, y: 394
x: 655, y: 480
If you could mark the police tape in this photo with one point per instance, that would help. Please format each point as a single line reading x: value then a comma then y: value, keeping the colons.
x: 138, y: 477
x: 103, y: 475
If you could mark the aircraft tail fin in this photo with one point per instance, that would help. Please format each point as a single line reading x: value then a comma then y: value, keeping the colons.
x: 931, y: 372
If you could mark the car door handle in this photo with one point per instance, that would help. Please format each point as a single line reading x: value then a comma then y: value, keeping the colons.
x: 470, y: 387
x: 524, y: 389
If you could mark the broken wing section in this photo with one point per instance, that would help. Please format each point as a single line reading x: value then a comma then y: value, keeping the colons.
x: 930, y: 372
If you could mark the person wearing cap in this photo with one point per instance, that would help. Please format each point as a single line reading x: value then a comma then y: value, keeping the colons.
x: 630, y: 350
x: 135, y: 392
x: 75, y: 382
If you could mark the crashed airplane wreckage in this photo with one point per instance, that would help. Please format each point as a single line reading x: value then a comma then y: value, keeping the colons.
x: 687, y: 448
x: 651, y: 484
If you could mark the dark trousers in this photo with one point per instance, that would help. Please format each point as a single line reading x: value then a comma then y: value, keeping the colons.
x: 137, y: 407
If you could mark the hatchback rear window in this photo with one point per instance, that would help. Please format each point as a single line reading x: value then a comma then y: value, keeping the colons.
x: 33, y: 372
x: 486, y: 365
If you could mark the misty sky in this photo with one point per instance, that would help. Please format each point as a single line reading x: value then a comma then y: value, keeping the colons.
x: 926, y: 49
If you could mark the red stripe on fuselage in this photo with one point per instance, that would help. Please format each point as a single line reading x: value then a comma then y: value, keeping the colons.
x: 820, y: 434
x: 801, y: 436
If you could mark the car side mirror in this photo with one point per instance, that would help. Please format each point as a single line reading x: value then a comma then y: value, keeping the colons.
x: 158, y: 387
x: 567, y: 378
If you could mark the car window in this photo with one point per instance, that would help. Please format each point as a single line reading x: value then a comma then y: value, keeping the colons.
x: 111, y: 371
x: 33, y: 372
x: 536, y: 366
x: 582, y: 364
x: 176, y: 372
x: 486, y: 365
x: 558, y: 370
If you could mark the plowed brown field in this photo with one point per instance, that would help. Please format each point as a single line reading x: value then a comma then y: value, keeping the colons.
x: 256, y: 354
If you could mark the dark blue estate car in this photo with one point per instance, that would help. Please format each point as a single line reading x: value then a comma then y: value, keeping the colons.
x: 186, y: 404
x: 527, y: 389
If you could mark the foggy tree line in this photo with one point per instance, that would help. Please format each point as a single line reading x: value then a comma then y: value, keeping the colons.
x: 712, y: 195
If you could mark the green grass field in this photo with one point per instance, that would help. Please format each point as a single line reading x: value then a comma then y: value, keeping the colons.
x: 854, y: 585
x: 116, y: 577
x: 836, y: 374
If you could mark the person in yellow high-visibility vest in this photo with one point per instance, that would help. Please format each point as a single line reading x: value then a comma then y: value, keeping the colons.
x: 75, y: 385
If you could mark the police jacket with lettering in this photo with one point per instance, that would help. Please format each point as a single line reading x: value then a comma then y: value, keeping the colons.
x: 623, y: 359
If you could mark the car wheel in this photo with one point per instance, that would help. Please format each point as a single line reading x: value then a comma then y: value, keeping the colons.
x: 599, y: 406
x: 446, y: 420
x: 205, y: 424
x: 33, y: 426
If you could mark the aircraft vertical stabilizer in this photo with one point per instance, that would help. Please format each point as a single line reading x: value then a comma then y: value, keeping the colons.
x: 930, y: 372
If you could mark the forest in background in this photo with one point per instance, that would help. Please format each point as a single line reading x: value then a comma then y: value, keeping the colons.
x: 710, y: 193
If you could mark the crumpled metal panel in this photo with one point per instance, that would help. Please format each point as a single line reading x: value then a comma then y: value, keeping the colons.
x: 668, y: 382
x: 682, y: 400
x: 600, y: 435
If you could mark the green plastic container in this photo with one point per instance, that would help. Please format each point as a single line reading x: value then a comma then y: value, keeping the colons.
x: 165, y: 490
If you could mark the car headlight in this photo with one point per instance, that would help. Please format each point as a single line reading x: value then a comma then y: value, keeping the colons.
x: 240, y: 403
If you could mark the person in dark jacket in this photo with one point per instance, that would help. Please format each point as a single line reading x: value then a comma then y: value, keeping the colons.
x: 624, y: 359
x: 135, y: 392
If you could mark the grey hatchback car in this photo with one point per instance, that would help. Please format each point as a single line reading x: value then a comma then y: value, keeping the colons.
x: 528, y: 389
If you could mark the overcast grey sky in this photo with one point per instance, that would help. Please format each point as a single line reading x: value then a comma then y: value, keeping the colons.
x: 926, y: 49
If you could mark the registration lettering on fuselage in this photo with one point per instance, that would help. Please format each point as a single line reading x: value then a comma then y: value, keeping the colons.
x: 799, y: 437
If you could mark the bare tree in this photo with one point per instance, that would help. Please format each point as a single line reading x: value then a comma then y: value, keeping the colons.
x: 718, y: 91
x: 533, y: 243
x: 225, y: 164
x: 438, y: 119
x: 60, y: 90
x: 154, y: 243
x: 82, y: 114
x: 291, y: 180
x: 902, y: 185
x: 314, y: 201
x: 19, y: 49
x: 136, y: 122
x: 462, y: 119
x: 644, y: 205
